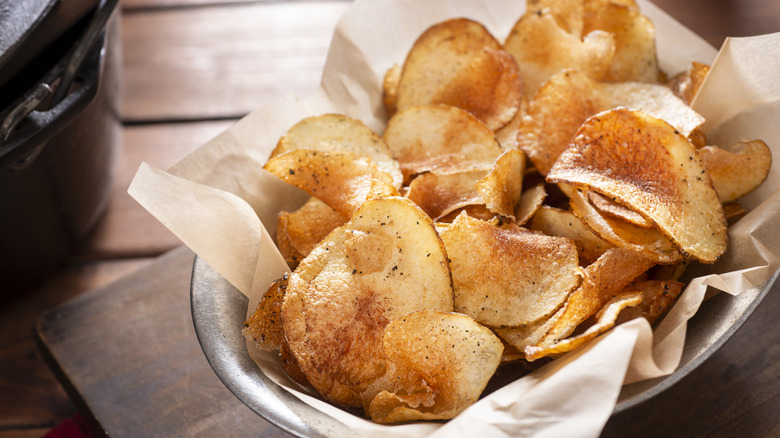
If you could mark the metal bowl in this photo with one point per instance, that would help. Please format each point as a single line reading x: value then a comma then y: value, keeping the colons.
x: 219, y: 310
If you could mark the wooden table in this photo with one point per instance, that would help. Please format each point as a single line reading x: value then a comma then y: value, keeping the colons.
x: 191, y: 68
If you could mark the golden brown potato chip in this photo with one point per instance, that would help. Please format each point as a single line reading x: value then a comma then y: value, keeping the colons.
x: 390, y: 89
x: 733, y: 212
x: 341, y: 180
x: 686, y: 85
x: 648, y: 241
x: 458, y: 62
x: 614, y: 209
x: 737, y: 172
x: 439, y: 195
x: 603, y: 279
x: 531, y: 201
x: 542, y: 48
x: 440, y: 139
x: 386, y: 262
x: 439, y: 364
x: 476, y: 211
x: 508, y: 276
x: 563, y: 223
x: 307, y: 226
x: 607, y: 318
x: 658, y: 297
x: 635, y: 57
x: 529, y: 334
x: 570, y: 97
x: 290, y: 254
x: 507, y: 136
x: 647, y: 165
x: 290, y: 365
x: 264, y: 326
x: 500, y: 189
x: 339, y: 133
x: 567, y: 13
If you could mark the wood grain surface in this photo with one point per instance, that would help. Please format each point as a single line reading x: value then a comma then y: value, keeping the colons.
x: 190, y: 69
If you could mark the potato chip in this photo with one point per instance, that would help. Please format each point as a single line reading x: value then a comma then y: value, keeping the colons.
x: 531, y: 201
x: 291, y: 255
x: 568, y: 14
x: 648, y: 241
x: 542, y: 48
x: 307, y: 226
x: 500, y: 189
x: 508, y: 276
x: 507, y: 135
x: 265, y: 325
x: 614, y: 209
x: 635, y: 57
x: 529, y: 334
x: 570, y: 97
x: 390, y: 89
x: 737, y: 172
x: 341, y: 180
x: 477, y: 211
x: 386, y: 262
x: 440, y: 139
x: 607, y: 318
x: 439, y: 195
x: 339, y: 133
x: 439, y: 364
x: 458, y: 62
x: 563, y: 223
x: 686, y: 85
x: 647, y: 165
x: 603, y: 279
x: 658, y: 297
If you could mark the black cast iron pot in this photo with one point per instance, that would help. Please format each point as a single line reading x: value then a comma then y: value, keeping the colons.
x: 59, y: 132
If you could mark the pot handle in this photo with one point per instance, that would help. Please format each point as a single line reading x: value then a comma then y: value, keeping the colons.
x: 56, y: 84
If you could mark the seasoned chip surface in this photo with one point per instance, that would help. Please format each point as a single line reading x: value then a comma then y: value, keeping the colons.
x: 386, y: 262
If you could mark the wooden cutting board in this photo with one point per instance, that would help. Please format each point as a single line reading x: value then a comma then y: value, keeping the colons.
x: 128, y: 355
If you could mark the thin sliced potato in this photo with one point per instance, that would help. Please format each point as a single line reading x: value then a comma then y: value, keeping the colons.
x: 390, y: 89
x: 603, y: 279
x: 658, y: 297
x: 439, y: 364
x: 531, y: 201
x: 386, y: 262
x: 607, y: 318
x: 440, y: 139
x: 501, y: 188
x: 647, y: 165
x: 341, y: 180
x: 686, y: 85
x: 439, y: 195
x: 542, y: 48
x: 307, y: 226
x: 563, y: 223
x: 567, y: 13
x: 571, y: 97
x: 507, y: 276
x: 614, y: 209
x: 339, y: 133
x: 458, y: 62
x: 738, y: 171
x: 648, y: 241
x: 264, y: 326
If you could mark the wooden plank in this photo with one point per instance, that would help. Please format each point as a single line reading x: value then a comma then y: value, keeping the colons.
x: 130, y: 353
x: 127, y: 229
x: 223, y: 62
x: 29, y: 394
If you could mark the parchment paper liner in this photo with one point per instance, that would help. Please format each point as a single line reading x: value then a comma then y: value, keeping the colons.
x: 217, y: 199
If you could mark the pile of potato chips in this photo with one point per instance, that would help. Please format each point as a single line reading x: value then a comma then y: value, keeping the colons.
x: 524, y: 198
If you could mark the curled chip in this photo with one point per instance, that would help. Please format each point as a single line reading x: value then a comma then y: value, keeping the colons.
x: 606, y: 319
x: 440, y: 139
x: 686, y: 85
x: 304, y: 228
x: 265, y: 325
x: 648, y: 241
x: 438, y: 365
x: 339, y: 133
x: 738, y: 171
x: 647, y: 165
x: 342, y: 180
x: 542, y: 48
x: 571, y: 97
x: 386, y: 262
x: 658, y: 297
x: 556, y: 222
x: 603, y: 279
x: 458, y: 62
x: 612, y: 208
x: 531, y: 201
x: 507, y: 276
x: 439, y: 195
x: 501, y: 188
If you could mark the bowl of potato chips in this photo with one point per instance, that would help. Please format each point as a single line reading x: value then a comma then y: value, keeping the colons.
x: 506, y: 206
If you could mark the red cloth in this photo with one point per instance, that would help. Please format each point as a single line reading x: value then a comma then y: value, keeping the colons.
x: 73, y: 427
